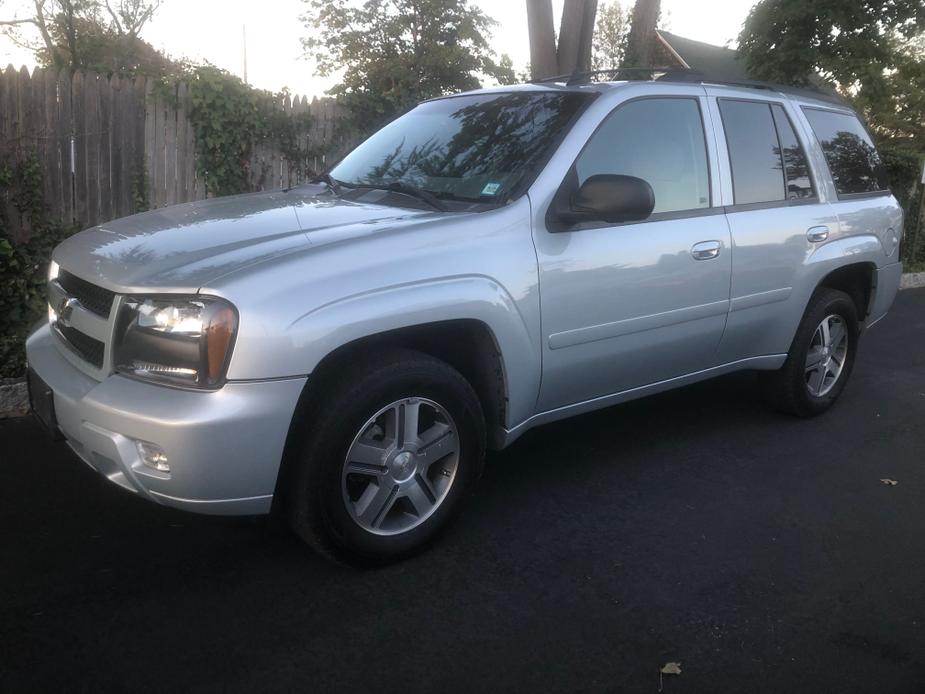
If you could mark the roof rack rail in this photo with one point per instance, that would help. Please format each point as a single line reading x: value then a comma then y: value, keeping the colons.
x: 584, y: 76
x: 680, y: 74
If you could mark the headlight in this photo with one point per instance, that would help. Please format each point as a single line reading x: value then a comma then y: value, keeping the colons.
x: 182, y: 341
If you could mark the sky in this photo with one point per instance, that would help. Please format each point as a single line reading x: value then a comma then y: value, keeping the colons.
x: 214, y: 30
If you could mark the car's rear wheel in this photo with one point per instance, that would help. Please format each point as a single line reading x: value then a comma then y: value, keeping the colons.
x: 390, y: 453
x: 820, y: 359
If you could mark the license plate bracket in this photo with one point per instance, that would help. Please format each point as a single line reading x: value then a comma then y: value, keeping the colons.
x: 42, y: 403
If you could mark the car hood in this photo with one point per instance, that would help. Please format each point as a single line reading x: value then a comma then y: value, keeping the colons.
x: 185, y: 247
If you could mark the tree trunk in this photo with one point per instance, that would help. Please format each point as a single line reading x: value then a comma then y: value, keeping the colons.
x: 543, y: 61
x: 642, y: 33
x: 575, y: 35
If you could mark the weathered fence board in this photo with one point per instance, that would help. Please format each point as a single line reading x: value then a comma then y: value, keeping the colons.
x: 184, y: 156
x: 105, y: 177
x: 79, y: 149
x: 115, y: 148
x: 52, y: 159
x: 64, y: 128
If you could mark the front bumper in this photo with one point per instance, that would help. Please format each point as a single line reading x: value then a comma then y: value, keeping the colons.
x: 224, y: 447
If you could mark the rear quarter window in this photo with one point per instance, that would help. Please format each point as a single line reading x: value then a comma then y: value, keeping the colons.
x: 853, y: 160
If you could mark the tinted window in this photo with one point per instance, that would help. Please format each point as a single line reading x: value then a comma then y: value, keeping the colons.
x: 853, y: 162
x: 754, y: 151
x: 796, y: 169
x: 476, y: 148
x: 658, y: 140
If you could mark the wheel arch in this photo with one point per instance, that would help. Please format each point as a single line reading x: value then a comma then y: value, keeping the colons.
x: 466, y: 344
x: 857, y: 280
x: 850, y: 265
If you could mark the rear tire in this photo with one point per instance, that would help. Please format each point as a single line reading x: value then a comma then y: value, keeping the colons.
x: 820, y: 359
x: 391, y: 451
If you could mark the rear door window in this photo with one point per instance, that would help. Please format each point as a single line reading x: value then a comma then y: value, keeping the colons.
x: 754, y: 151
x: 853, y: 160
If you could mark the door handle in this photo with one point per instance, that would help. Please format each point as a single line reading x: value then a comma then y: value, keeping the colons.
x: 706, y: 250
x: 817, y: 234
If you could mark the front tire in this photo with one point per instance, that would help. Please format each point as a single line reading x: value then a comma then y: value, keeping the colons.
x: 391, y: 453
x: 820, y: 359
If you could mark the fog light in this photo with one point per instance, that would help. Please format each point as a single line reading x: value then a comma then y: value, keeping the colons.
x: 153, y: 456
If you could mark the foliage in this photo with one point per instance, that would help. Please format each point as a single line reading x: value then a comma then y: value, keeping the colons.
x: 394, y: 53
x: 96, y: 35
x: 610, y: 33
x: 140, y: 201
x: 23, y: 264
x: 849, y: 41
x: 229, y: 118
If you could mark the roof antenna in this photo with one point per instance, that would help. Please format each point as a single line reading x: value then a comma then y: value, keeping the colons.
x: 244, y: 45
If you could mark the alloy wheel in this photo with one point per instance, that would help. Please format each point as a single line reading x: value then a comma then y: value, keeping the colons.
x: 400, y: 466
x: 828, y: 351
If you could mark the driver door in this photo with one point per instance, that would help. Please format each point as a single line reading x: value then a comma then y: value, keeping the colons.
x: 631, y: 304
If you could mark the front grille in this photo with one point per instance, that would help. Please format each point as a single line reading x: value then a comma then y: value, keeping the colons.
x: 86, y: 347
x: 93, y: 298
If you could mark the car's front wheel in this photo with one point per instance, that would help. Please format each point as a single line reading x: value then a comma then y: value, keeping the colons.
x: 820, y: 359
x: 390, y: 453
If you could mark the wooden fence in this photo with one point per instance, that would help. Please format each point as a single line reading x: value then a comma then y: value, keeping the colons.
x: 109, y: 145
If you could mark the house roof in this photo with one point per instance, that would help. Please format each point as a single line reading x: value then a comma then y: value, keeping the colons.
x: 719, y: 62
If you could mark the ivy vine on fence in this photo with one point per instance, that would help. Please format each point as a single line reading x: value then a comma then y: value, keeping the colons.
x: 229, y: 118
x: 23, y: 261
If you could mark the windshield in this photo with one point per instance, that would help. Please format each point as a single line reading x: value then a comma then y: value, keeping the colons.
x: 477, y: 148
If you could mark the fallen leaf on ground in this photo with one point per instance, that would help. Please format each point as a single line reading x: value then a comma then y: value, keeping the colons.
x: 890, y: 483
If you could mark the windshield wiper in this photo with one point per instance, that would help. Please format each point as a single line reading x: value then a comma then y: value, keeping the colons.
x: 405, y: 189
x: 329, y: 181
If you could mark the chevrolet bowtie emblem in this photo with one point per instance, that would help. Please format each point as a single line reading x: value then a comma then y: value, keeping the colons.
x: 65, y: 310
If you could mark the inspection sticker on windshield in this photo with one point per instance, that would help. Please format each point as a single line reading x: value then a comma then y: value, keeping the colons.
x: 491, y: 188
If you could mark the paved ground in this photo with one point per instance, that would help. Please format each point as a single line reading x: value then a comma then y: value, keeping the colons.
x: 761, y: 552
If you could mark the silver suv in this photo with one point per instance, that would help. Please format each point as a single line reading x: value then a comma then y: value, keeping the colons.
x: 343, y: 352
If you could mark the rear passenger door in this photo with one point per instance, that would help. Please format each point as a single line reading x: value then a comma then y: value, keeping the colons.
x: 776, y: 216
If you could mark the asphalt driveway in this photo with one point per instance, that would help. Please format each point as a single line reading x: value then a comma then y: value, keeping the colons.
x: 761, y: 552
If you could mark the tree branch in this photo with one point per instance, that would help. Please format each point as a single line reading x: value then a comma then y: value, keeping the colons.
x: 15, y: 22
x: 115, y: 17
x: 39, y: 21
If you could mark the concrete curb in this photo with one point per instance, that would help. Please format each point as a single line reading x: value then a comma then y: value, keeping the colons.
x: 14, y: 398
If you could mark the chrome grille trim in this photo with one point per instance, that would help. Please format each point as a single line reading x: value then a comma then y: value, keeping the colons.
x: 85, y: 337
x: 87, y: 348
x: 92, y: 297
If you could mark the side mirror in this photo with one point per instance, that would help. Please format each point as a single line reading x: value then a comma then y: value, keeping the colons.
x: 611, y: 198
